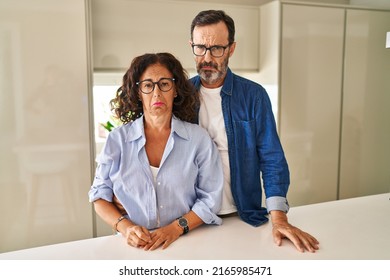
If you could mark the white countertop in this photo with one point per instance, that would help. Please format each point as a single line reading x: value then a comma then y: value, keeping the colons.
x: 351, y: 229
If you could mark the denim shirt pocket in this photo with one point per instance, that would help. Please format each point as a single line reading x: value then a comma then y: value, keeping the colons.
x: 245, y: 139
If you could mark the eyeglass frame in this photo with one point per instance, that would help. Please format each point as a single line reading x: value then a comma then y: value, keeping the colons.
x: 154, y: 84
x: 209, y: 49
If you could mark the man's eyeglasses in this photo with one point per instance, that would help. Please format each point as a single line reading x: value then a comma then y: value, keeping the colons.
x: 147, y: 86
x: 216, y: 51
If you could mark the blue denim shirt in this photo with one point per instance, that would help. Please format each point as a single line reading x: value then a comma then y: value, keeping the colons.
x: 254, y: 148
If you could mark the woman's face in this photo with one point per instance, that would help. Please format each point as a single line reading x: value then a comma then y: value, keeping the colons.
x: 159, y: 101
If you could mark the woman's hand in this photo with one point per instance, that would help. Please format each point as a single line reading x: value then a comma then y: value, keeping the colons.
x: 164, y: 236
x: 137, y: 236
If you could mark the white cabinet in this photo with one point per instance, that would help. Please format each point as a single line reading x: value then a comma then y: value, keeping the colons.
x: 123, y: 29
x: 365, y: 151
x: 45, y: 170
x: 334, y: 100
x: 310, y: 99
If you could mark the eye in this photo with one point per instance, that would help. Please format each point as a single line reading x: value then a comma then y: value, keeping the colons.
x: 200, y: 47
x: 216, y: 48
x: 147, y: 85
x: 164, y: 84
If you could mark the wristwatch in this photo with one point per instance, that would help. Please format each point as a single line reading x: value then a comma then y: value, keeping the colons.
x: 183, y: 223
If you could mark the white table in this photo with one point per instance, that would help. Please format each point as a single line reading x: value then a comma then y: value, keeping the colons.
x: 351, y: 229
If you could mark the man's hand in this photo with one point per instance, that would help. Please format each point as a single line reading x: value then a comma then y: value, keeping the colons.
x: 283, y: 229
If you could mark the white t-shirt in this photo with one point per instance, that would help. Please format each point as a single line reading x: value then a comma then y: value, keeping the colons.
x: 211, y: 118
x: 154, y: 172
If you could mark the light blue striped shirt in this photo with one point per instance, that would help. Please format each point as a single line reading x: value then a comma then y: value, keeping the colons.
x: 189, y: 178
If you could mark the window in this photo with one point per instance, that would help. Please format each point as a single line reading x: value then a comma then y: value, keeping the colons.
x: 104, y: 89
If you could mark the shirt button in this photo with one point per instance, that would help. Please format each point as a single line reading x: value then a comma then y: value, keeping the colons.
x: 158, y: 183
x: 161, y: 206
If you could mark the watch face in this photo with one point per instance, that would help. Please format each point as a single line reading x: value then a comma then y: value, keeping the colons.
x: 183, y: 222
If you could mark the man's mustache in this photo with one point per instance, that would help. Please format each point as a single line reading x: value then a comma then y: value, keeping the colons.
x: 209, y: 64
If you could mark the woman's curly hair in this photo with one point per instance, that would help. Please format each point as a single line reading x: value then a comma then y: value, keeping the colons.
x: 127, y: 106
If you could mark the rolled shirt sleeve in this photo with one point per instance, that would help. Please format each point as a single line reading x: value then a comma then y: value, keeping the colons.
x: 277, y: 203
x: 102, y: 184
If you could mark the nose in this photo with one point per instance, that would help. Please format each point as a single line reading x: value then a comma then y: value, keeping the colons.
x: 207, y: 56
x: 156, y: 90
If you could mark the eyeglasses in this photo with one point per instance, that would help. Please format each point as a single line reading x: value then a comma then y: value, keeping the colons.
x: 147, y: 86
x: 216, y: 51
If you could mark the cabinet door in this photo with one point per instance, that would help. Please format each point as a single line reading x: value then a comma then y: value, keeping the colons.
x: 45, y: 171
x: 365, y: 152
x: 124, y: 29
x: 310, y: 99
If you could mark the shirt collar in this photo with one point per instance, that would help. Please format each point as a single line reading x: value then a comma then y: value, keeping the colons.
x: 136, y: 129
x: 228, y: 83
x: 179, y: 128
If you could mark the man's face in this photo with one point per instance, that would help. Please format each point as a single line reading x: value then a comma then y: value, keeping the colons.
x: 212, y: 70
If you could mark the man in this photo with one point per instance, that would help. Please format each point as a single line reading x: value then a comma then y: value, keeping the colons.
x: 237, y: 114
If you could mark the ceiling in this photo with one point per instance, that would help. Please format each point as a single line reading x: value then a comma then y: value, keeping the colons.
x: 382, y: 4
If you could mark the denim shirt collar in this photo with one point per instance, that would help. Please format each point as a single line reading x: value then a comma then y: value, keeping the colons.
x: 228, y: 83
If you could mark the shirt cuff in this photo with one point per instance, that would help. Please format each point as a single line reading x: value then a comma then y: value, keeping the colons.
x: 206, y: 215
x: 277, y: 203
x: 97, y: 193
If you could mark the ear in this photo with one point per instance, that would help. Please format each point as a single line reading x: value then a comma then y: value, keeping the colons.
x: 232, y: 49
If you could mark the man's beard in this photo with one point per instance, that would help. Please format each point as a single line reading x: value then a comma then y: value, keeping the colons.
x: 212, y: 77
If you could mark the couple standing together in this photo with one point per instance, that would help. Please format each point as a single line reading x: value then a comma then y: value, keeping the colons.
x: 161, y: 175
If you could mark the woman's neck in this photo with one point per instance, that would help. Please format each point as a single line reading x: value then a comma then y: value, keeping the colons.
x: 157, y: 123
x: 157, y: 131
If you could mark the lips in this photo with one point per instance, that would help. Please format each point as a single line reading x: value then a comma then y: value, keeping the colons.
x: 158, y: 104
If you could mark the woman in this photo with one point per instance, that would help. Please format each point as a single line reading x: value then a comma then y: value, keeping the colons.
x: 163, y: 170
